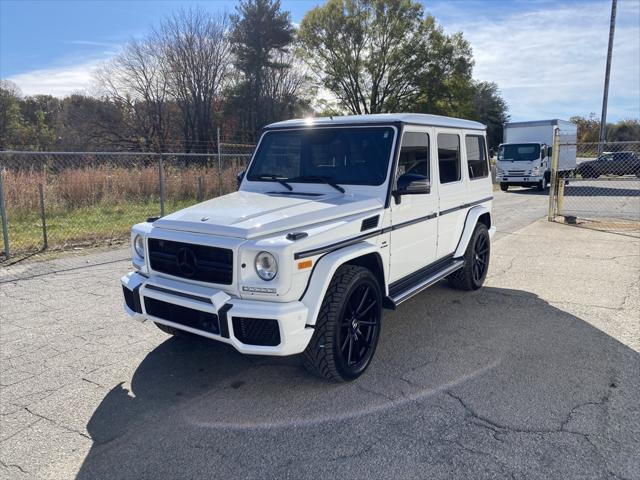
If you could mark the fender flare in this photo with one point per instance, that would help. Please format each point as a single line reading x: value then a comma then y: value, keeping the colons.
x: 473, y: 214
x: 323, y: 272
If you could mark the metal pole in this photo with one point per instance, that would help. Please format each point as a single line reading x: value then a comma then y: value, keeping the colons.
x: 200, y: 193
x: 161, y: 176
x: 554, y: 175
x: 3, y: 214
x: 43, y: 217
x: 605, y: 98
x: 219, y: 166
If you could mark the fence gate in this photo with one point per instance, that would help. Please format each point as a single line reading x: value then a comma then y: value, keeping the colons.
x: 603, y: 192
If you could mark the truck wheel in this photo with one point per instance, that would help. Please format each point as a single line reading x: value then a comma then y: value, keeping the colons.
x: 348, y: 326
x: 476, y: 261
x: 504, y: 187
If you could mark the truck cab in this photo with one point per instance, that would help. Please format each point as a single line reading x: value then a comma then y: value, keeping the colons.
x: 335, y: 220
x: 523, y: 164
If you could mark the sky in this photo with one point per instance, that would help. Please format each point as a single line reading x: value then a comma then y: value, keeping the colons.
x: 547, y: 57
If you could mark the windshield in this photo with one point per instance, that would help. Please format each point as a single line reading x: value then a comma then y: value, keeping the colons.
x: 357, y: 156
x: 519, y: 152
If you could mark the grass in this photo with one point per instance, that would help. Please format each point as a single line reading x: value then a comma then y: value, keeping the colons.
x: 97, y: 205
x: 85, y: 226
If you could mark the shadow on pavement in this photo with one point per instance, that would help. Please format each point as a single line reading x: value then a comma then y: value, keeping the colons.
x: 496, y: 370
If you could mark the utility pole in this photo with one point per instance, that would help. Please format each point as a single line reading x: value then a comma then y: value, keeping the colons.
x: 605, y: 98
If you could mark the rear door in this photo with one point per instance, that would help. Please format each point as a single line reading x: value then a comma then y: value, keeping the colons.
x: 414, y: 232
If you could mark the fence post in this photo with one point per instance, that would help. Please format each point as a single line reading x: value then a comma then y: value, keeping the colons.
x: 219, y: 166
x: 200, y: 192
x: 3, y: 214
x: 161, y: 177
x: 43, y: 217
x: 554, y: 175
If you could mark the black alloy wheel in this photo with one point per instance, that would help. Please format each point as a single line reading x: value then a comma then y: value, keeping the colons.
x: 480, y: 258
x: 476, y: 261
x: 359, y: 327
x: 348, y: 326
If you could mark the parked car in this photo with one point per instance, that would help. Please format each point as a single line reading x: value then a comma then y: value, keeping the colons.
x: 611, y: 163
x: 335, y: 219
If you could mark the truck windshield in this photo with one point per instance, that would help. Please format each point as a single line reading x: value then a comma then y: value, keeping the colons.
x: 349, y: 155
x: 519, y: 152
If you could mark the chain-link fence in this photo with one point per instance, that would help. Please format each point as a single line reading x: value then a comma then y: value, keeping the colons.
x: 603, y: 191
x: 61, y: 201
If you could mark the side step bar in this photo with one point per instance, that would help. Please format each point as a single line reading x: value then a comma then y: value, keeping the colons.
x: 392, y: 301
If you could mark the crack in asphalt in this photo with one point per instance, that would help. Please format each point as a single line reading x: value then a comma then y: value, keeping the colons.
x: 64, y: 427
x: 499, y: 428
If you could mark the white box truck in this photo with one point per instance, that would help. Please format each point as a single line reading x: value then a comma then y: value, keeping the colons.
x: 524, y: 159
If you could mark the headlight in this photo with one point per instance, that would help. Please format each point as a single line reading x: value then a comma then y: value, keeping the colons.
x: 138, y: 245
x: 498, y: 171
x: 266, y: 266
x: 536, y: 171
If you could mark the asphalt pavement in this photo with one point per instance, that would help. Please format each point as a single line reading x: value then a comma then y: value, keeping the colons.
x: 534, y: 376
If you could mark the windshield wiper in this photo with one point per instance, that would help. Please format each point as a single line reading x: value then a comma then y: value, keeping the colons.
x: 317, y: 178
x: 281, y: 180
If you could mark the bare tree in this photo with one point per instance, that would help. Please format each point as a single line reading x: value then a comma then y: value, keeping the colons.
x: 197, y: 56
x: 288, y: 87
x: 136, y: 80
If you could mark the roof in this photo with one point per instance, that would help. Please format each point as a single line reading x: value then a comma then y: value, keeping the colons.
x: 538, y: 123
x: 382, y: 118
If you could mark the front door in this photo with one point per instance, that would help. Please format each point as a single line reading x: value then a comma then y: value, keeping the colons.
x: 414, y: 233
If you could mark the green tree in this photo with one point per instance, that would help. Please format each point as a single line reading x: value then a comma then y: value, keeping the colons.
x: 491, y: 109
x: 12, y: 127
x: 365, y: 52
x: 270, y: 85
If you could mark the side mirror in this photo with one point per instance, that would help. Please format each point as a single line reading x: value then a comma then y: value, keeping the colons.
x: 492, y: 153
x: 240, y: 177
x: 411, y: 184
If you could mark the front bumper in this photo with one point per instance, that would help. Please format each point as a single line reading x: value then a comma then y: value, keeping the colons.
x: 519, y: 181
x: 141, y: 293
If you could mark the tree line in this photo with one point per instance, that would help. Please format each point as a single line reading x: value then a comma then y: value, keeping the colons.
x: 198, y: 71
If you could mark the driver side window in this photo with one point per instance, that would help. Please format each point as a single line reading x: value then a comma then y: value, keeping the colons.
x: 414, y: 154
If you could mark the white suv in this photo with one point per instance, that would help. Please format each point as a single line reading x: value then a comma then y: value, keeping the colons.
x: 335, y: 219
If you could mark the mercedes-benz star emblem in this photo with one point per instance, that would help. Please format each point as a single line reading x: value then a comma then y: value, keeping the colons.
x: 187, y: 262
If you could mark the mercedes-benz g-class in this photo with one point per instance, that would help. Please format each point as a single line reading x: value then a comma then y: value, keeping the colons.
x: 335, y: 219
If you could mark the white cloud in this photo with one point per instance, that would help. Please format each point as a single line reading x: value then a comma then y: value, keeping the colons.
x: 59, y: 81
x: 550, y: 62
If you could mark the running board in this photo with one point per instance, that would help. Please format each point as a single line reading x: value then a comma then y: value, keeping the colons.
x: 396, y: 298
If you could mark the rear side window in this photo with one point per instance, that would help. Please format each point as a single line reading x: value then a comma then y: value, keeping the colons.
x: 449, y: 157
x: 476, y: 157
x: 414, y: 154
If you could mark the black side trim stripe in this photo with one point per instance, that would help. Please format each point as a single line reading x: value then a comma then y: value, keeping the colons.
x: 410, y: 222
x: 179, y: 294
x: 466, y: 205
x: 352, y: 241
x: 336, y: 246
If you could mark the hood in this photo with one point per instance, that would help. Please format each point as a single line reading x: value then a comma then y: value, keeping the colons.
x: 250, y: 214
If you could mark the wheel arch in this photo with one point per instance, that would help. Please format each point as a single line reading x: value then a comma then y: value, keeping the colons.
x: 361, y: 254
x: 479, y: 213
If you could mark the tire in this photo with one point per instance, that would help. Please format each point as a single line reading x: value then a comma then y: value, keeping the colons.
x: 540, y: 186
x: 348, y: 326
x: 504, y: 187
x: 475, y: 257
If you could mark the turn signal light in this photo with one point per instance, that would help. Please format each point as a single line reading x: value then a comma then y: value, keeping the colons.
x: 304, y: 264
